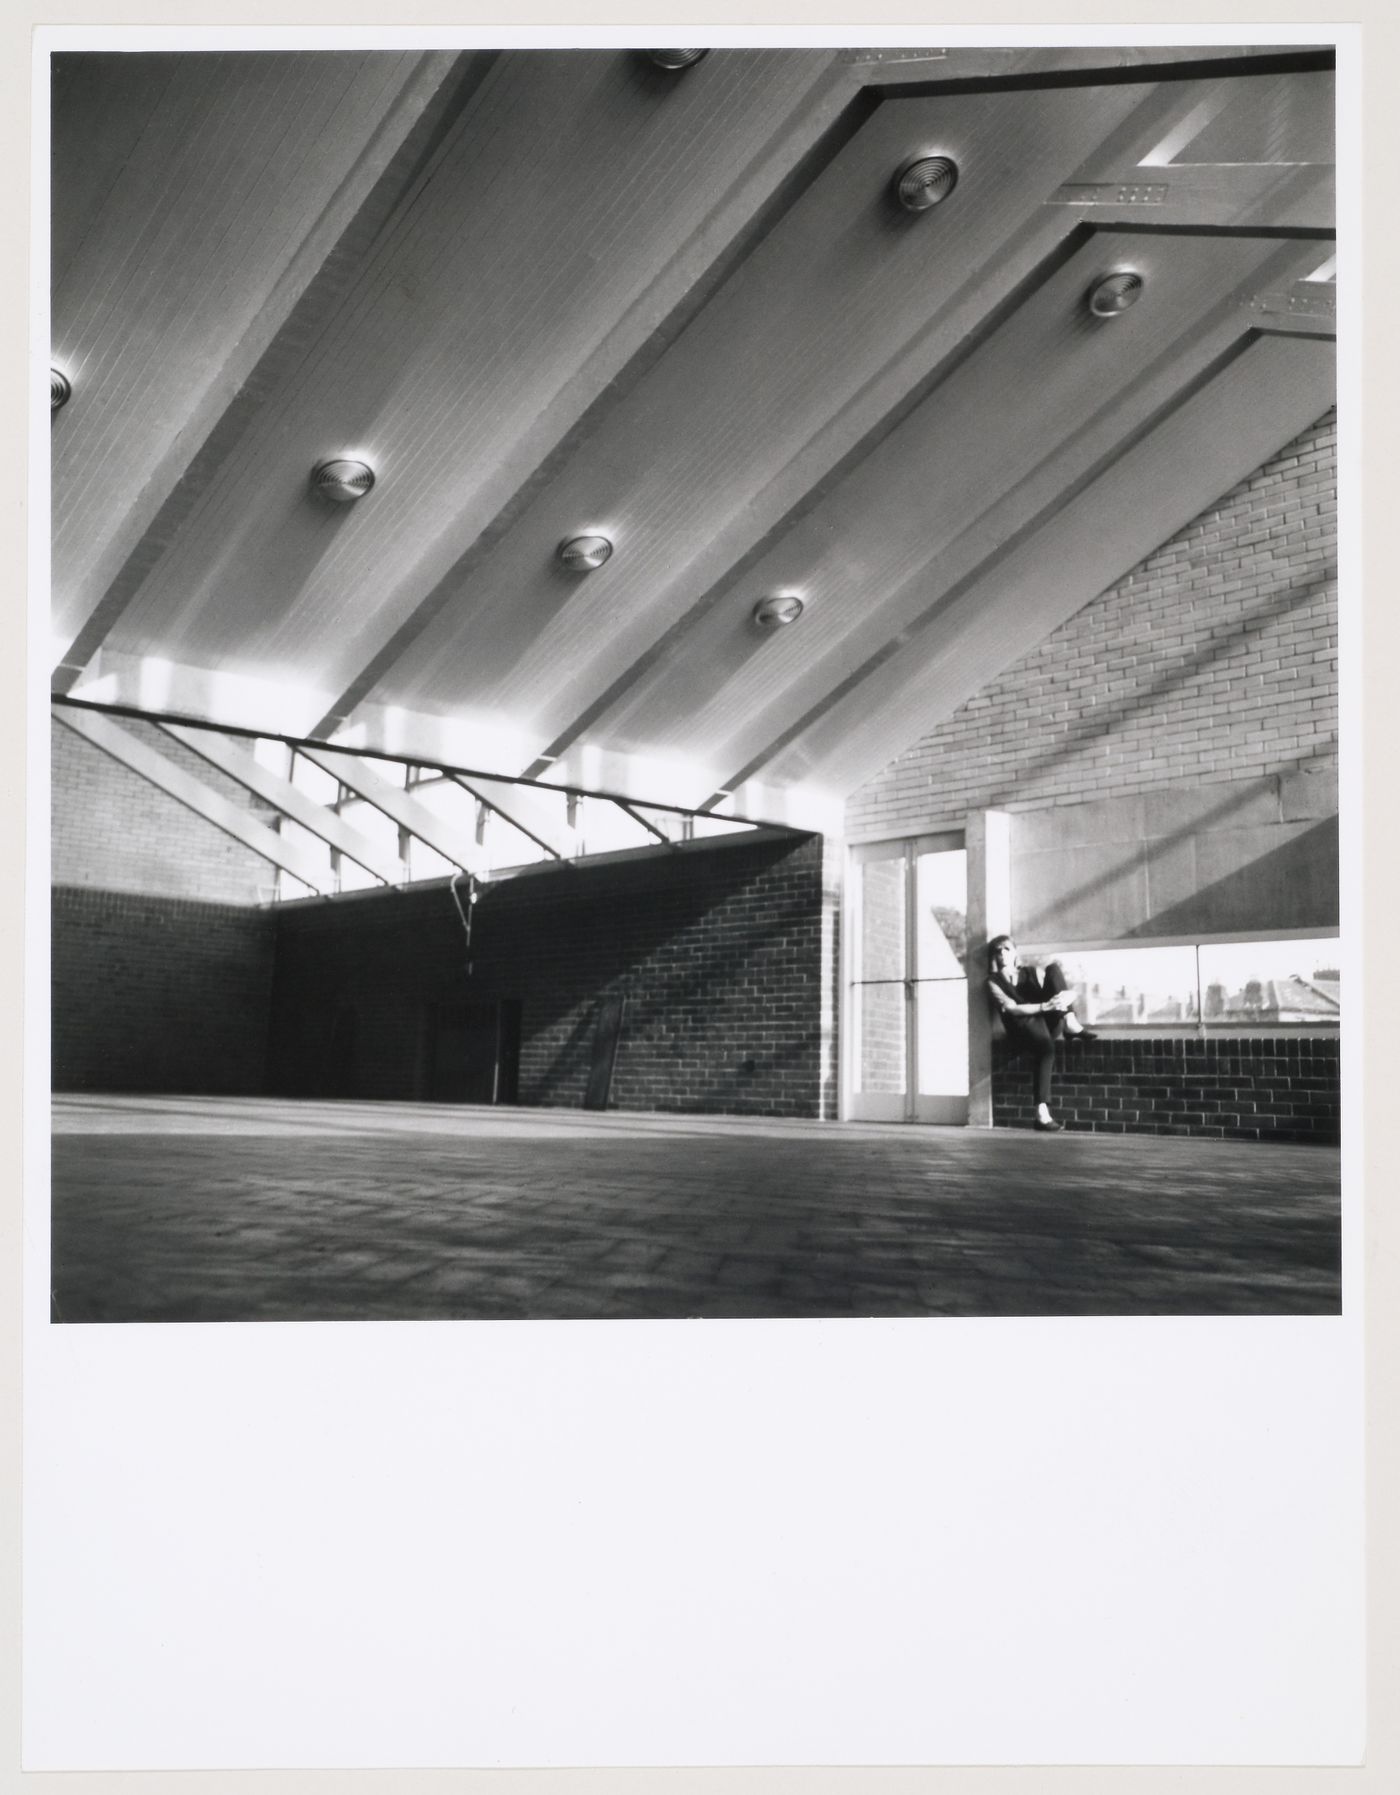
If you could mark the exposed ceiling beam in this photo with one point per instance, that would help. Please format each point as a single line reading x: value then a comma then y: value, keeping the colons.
x: 790, y: 385
x: 774, y: 473
x: 944, y: 494
x: 606, y: 777
x: 401, y: 808
x: 283, y: 795
x: 924, y: 67
x: 1219, y: 436
x: 652, y: 828
x: 526, y: 809
x: 604, y: 193
x: 759, y: 430
x: 122, y: 745
x: 792, y: 162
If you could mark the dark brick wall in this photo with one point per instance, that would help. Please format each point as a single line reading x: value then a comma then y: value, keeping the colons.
x: 718, y: 952
x: 1284, y: 1088
x: 159, y: 994
x: 161, y: 958
x: 164, y: 980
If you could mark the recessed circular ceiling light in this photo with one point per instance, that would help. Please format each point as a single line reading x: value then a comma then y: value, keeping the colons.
x: 60, y: 389
x: 342, y: 480
x: 780, y: 608
x: 1115, y: 293
x: 676, y: 59
x: 581, y: 554
x: 925, y: 181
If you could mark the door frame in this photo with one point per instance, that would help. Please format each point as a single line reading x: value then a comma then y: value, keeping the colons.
x: 505, y: 1023
x: 909, y: 1107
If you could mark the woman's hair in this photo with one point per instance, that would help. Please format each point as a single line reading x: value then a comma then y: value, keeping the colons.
x: 994, y: 947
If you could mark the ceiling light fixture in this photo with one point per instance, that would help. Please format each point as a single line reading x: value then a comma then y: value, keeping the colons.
x: 1115, y: 293
x: 581, y: 554
x: 780, y: 609
x: 925, y: 181
x: 60, y: 389
x: 342, y: 480
x: 676, y: 59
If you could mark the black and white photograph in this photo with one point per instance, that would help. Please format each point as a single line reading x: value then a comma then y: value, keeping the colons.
x: 694, y: 777
x: 694, y: 683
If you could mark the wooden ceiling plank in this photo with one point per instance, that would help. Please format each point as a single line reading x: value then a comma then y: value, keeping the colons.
x: 239, y: 764
x: 139, y: 757
x: 401, y: 808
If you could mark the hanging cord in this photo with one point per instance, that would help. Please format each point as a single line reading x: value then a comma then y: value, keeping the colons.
x: 465, y: 915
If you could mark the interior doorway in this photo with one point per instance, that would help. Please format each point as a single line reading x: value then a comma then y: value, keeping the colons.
x: 474, y: 1052
x: 906, y: 1009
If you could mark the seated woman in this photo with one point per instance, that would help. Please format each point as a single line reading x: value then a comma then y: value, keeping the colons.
x: 1034, y: 1007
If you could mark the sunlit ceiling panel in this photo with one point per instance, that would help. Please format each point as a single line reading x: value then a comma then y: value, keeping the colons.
x: 681, y: 311
x: 509, y: 291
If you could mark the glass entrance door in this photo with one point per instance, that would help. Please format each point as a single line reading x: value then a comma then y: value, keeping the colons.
x: 907, y: 1009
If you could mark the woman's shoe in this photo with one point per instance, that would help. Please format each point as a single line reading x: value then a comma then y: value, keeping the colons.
x: 1051, y: 1127
x: 1083, y: 1034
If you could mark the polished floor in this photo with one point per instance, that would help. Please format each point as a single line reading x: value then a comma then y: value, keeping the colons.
x: 185, y: 1209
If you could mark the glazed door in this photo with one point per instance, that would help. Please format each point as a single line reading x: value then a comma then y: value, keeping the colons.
x: 907, y: 993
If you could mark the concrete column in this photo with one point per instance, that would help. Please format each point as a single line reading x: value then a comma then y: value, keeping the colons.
x: 988, y: 913
x: 833, y: 876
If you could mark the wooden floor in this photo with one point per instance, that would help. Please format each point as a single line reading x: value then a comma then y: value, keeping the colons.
x: 185, y: 1209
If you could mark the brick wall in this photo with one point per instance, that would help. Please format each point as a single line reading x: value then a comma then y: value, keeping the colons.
x: 161, y: 961
x: 115, y: 831
x: 1213, y: 660
x: 1279, y: 1089
x: 718, y: 952
x: 159, y: 994
x: 163, y: 964
x: 1168, y: 756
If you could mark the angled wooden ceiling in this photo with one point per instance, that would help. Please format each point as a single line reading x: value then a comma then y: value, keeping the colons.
x: 544, y: 293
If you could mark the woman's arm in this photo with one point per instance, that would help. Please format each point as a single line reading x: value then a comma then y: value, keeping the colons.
x: 1010, y: 1007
